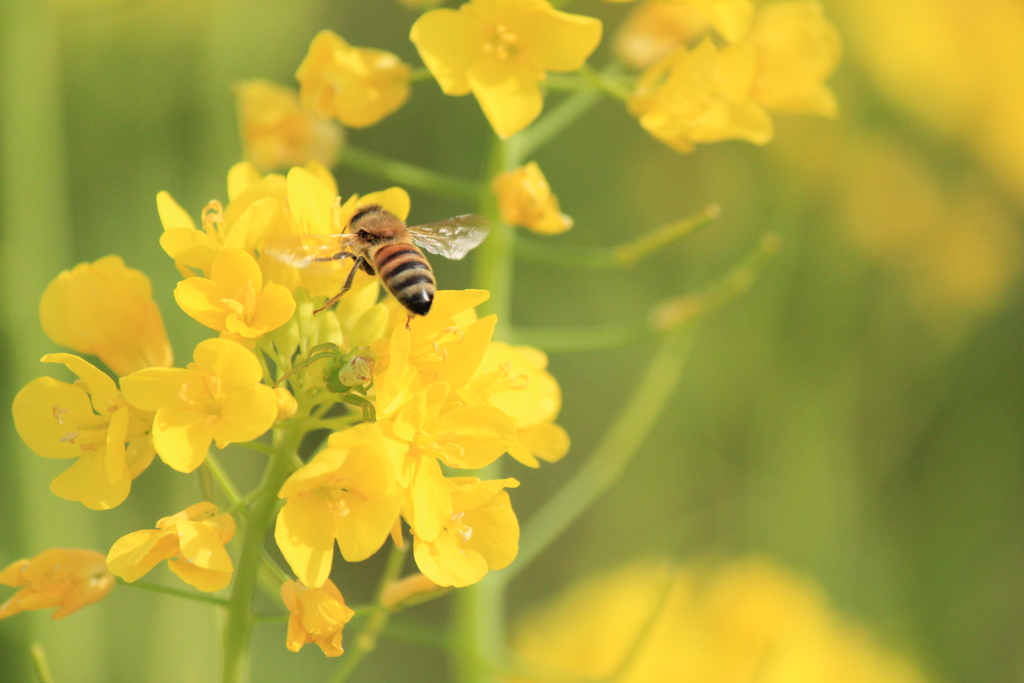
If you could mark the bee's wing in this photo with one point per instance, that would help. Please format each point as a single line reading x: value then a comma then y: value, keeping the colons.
x: 302, y: 251
x: 453, y: 238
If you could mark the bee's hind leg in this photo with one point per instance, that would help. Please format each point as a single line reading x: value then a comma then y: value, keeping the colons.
x: 344, y: 288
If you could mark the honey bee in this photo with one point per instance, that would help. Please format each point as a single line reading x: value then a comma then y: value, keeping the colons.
x: 381, y: 244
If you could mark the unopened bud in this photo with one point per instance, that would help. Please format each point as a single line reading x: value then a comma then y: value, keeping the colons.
x: 409, y: 591
x: 286, y: 403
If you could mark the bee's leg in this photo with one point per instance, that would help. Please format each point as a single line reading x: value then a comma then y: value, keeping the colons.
x: 344, y: 288
x: 408, y: 320
x: 340, y: 255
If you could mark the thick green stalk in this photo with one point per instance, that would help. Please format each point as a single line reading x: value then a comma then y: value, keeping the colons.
x: 240, y: 619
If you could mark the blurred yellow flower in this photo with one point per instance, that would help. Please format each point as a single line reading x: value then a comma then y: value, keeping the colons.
x: 348, y: 494
x: 89, y: 420
x: 63, y: 578
x: 428, y: 429
x: 192, y: 541
x: 318, y: 615
x: 702, y: 96
x: 481, y: 534
x: 526, y: 199
x: 514, y: 380
x: 444, y: 346
x: 749, y: 620
x: 500, y: 50
x: 276, y: 132
x: 234, y: 300
x: 654, y: 28
x: 217, y: 398
x: 797, y: 51
x: 287, y: 406
x: 358, y: 86
x: 106, y: 310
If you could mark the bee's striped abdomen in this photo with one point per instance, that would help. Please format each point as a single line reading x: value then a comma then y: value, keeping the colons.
x: 407, y: 275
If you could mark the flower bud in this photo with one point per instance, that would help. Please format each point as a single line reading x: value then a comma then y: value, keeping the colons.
x: 286, y: 403
x: 409, y: 591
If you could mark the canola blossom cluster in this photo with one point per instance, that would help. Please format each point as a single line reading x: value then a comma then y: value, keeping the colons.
x: 445, y: 397
x: 375, y: 422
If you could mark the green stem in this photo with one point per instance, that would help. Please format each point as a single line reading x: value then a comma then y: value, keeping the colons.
x: 620, y: 444
x: 573, y: 339
x: 407, y: 175
x: 418, y: 74
x: 224, y: 483
x: 605, y: 82
x: 240, y: 619
x: 165, y: 590
x: 525, y: 144
x: 493, y: 264
x: 625, y: 255
x: 366, y: 641
x: 410, y: 631
x: 40, y: 664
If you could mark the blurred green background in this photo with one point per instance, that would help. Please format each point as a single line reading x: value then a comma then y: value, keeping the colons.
x: 859, y: 415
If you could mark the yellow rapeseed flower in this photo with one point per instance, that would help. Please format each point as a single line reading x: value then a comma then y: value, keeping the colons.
x: 106, y: 309
x: 500, y: 50
x: 444, y: 346
x: 89, y: 420
x: 654, y: 28
x: 234, y: 301
x: 276, y: 132
x: 348, y: 494
x: 217, y: 398
x: 526, y: 199
x: 192, y: 541
x: 428, y: 428
x: 515, y: 381
x: 257, y: 210
x: 481, y: 534
x: 702, y: 95
x: 797, y: 51
x: 316, y: 209
x: 657, y: 26
x: 359, y: 86
x: 749, y: 620
x: 318, y: 615
x: 63, y: 578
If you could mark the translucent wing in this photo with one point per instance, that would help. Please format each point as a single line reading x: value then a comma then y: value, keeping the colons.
x: 303, y: 251
x: 453, y: 238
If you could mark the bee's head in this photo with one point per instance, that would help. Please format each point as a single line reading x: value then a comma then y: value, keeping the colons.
x: 367, y: 216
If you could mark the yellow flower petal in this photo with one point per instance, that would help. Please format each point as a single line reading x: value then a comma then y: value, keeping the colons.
x: 246, y: 415
x: 132, y: 556
x: 182, y: 437
x: 508, y: 94
x: 107, y: 310
x: 234, y: 365
x: 480, y: 435
x: 190, y: 247
x: 449, y: 42
x: 63, y: 578
x: 154, y: 388
x: 88, y: 483
x: 171, y: 214
x: 241, y: 177
x: 305, y: 534
x: 274, y: 307
x: 233, y: 270
x: 547, y: 441
x: 446, y: 561
x: 496, y: 531
x: 202, y: 300
x: 310, y: 201
x: 37, y: 410
x: 561, y: 41
x: 394, y: 199
x: 427, y: 504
